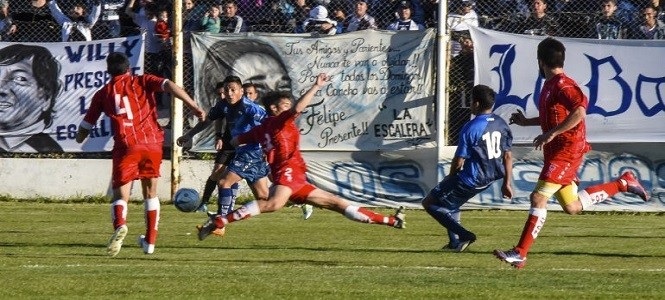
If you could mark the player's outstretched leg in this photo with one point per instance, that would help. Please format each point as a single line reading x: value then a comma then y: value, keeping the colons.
x: 208, y: 227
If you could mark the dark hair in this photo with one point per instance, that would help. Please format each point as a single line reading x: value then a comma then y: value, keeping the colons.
x: 219, y: 85
x: 117, y: 63
x: 45, y: 69
x: 248, y: 85
x: 552, y: 53
x: 484, y: 95
x: 232, y: 79
x: 273, y: 97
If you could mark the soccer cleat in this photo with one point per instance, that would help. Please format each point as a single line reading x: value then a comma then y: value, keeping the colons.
x: 115, y: 243
x: 630, y: 184
x: 147, y: 248
x: 449, y: 248
x: 202, y: 208
x: 512, y: 257
x: 307, y: 211
x: 400, y: 218
x: 207, y: 228
x: 464, y: 243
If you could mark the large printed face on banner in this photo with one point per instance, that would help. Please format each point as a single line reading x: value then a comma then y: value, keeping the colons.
x: 29, y: 86
x: 46, y: 89
x: 380, y: 95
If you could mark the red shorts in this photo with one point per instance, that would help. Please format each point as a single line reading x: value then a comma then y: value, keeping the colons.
x: 561, y: 172
x: 296, y: 179
x: 136, y: 162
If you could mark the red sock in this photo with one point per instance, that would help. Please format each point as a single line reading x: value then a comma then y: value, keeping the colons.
x: 532, y: 227
x: 607, y: 190
x: 376, y: 217
x: 118, y: 213
x: 152, y: 207
x: 248, y: 210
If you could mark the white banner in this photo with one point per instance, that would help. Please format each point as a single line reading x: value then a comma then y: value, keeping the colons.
x: 381, y: 96
x: 623, y: 80
x: 47, y: 89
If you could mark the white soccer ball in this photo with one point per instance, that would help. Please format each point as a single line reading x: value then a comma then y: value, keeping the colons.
x: 187, y: 200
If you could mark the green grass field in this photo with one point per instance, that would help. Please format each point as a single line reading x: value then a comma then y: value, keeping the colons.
x: 58, y: 251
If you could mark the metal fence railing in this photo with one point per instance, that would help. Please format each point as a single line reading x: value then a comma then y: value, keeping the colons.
x: 22, y: 21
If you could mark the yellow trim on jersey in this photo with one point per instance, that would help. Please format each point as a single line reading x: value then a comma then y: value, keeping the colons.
x: 564, y: 194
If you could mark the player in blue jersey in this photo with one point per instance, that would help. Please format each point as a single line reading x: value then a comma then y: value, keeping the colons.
x: 483, y: 156
x: 241, y: 115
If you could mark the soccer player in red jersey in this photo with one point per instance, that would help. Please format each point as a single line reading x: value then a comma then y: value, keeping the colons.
x: 280, y: 138
x: 561, y: 113
x: 129, y: 101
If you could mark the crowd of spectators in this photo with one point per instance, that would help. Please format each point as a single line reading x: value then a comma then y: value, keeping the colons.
x: 68, y: 20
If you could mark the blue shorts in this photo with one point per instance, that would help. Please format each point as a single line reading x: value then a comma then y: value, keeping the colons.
x: 249, y: 165
x: 452, y: 193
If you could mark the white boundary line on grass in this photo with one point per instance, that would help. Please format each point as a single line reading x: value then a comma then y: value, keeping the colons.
x: 654, y: 270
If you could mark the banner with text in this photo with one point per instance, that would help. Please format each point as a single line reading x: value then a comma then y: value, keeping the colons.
x: 380, y: 95
x: 623, y: 80
x: 47, y: 88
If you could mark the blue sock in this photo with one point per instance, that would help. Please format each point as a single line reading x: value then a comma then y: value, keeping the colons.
x: 444, y: 217
x: 454, y: 238
x: 235, y: 188
x: 224, y: 201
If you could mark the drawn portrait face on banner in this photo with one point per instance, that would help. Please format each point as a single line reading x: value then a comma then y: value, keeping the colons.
x: 29, y: 86
x: 252, y: 60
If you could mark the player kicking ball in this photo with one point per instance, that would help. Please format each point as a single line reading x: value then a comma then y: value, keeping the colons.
x: 280, y: 138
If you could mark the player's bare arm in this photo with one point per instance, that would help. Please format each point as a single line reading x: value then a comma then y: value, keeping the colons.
x: 304, y: 101
x: 185, y: 138
x: 506, y: 188
x: 521, y: 120
x: 571, y: 121
x: 179, y: 93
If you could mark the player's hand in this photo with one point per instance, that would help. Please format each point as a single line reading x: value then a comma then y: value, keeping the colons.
x: 542, y: 139
x: 321, y: 79
x: 183, y: 140
x: 517, y: 118
x: 507, y: 191
x: 200, y: 114
x: 218, y: 144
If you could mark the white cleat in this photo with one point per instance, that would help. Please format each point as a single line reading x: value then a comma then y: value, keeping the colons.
x: 115, y: 243
x: 307, y: 211
x: 147, y: 248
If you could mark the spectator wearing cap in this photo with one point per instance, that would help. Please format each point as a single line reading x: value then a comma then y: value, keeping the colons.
x: 360, y: 20
x: 459, y: 22
x: 404, y: 21
x: 318, y: 22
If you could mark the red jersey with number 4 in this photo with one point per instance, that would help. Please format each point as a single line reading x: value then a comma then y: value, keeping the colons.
x: 280, y: 139
x: 559, y: 97
x: 129, y: 101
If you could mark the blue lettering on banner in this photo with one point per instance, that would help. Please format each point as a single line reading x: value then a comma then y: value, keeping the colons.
x: 643, y: 85
x: 403, y: 182
x: 96, y: 52
x: 68, y: 132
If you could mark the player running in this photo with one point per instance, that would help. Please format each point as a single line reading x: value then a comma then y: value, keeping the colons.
x: 129, y: 101
x: 561, y: 113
